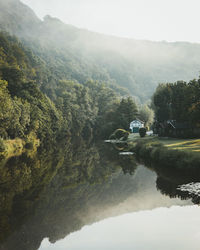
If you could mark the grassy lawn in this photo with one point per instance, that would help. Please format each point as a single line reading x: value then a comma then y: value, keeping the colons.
x: 182, y: 144
x: 133, y: 137
x: 172, y: 143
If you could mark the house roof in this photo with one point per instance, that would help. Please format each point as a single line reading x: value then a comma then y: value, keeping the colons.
x: 138, y: 120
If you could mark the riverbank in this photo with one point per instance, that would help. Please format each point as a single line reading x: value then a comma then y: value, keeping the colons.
x: 167, y: 154
x: 189, y: 145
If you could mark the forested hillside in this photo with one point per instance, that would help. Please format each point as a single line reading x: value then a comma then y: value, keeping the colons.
x: 58, y: 80
x: 79, y: 55
x: 37, y: 103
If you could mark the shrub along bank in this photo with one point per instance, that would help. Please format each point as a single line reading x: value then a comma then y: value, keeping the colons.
x: 160, y: 156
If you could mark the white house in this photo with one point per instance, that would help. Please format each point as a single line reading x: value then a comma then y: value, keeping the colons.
x: 135, y: 125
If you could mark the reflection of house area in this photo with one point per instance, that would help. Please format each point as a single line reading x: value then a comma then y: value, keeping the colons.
x: 192, y: 189
x: 173, y: 128
x: 184, y: 192
x: 135, y: 125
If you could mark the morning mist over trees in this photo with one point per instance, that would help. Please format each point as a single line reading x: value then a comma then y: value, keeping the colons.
x: 133, y: 64
x: 99, y: 124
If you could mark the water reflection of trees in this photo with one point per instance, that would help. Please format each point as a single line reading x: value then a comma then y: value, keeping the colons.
x: 50, y: 193
x: 169, y: 179
x: 171, y: 189
x: 127, y: 163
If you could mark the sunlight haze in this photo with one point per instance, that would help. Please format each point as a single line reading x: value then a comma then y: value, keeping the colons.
x: 172, y: 20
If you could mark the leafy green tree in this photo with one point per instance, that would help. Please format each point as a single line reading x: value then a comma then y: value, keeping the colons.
x: 6, y: 109
x: 179, y: 101
x: 146, y: 114
x: 162, y: 102
x: 126, y: 112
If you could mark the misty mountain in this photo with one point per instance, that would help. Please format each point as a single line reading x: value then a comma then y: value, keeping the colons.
x: 17, y: 18
x: 79, y: 54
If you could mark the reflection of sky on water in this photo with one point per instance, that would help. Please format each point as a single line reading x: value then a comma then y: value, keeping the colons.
x: 159, y: 229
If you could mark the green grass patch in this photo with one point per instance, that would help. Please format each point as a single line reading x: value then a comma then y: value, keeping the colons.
x: 180, y: 144
x: 188, y: 145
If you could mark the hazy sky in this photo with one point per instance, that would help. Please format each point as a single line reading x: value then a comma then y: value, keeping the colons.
x: 171, y: 20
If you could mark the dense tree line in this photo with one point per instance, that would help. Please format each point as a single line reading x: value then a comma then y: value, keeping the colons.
x: 178, y: 101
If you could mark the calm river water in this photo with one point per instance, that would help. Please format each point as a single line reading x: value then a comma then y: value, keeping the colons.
x: 82, y: 197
